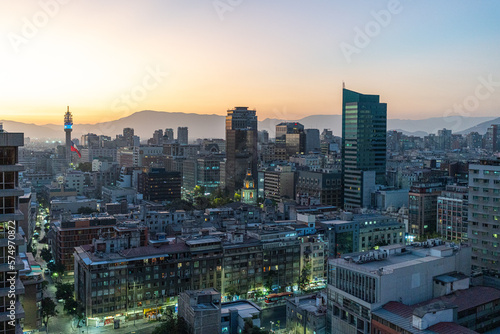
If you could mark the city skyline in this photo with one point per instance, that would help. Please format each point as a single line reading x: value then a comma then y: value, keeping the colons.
x: 285, y: 60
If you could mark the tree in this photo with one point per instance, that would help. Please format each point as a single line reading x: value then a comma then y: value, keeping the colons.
x: 84, y: 166
x: 269, y: 281
x: 56, y: 268
x: 75, y: 309
x: 172, y: 325
x: 305, y: 276
x: 232, y: 291
x: 198, y: 191
x: 46, y: 254
x: 64, y: 291
x: 249, y: 328
x: 48, y: 309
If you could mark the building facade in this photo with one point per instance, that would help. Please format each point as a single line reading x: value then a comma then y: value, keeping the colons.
x: 241, y: 146
x: 11, y: 287
x: 484, y: 214
x: 364, y: 127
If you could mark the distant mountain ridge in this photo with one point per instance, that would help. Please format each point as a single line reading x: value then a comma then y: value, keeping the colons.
x: 481, y: 128
x: 213, y: 126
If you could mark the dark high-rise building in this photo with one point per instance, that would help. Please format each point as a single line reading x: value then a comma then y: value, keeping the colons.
x: 291, y: 135
x: 11, y: 240
x: 312, y: 140
x: 169, y: 135
x: 241, y: 146
x: 159, y: 185
x: 182, y: 135
x: 128, y: 135
x: 364, y: 127
x: 68, y: 127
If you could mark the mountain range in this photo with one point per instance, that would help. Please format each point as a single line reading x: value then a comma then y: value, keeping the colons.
x: 213, y: 126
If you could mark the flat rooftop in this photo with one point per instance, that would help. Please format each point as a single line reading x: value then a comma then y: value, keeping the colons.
x: 246, y: 309
x: 409, y: 257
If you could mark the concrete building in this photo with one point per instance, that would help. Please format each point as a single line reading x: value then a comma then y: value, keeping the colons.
x: 423, y: 208
x: 356, y: 233
x: 160, y: 185
x: 361, y: 283
x: 11, y: 287
x: 112, y: 194
x: 279, y: 184
x: 313, y: 143
x: 235, y: 314
x: 465, y: 311
x: 32, y: 279
x: 326, y: 187
x: 70, y: 232
x: 484, y: 214
x: 182, y: 135
x: 452, y: 213
x: 29, y: 207
x: 306, y: 314
x: 75, y: 180
x: 383, y: 199
x: 201, y: 310
x: 71, y: 205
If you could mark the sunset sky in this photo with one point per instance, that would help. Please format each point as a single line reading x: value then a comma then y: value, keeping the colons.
x: 108, y: 59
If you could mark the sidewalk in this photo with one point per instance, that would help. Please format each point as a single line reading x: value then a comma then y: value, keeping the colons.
x: 125, y: 327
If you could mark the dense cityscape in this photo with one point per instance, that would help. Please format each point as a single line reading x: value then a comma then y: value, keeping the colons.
x: 347, y: 221
x: 304, y: 232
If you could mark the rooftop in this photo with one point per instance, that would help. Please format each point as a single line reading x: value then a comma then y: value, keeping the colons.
x: 392, y: 257
x: 246, y: 309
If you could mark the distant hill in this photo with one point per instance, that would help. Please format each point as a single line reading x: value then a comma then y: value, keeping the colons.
x: 432, y: 125
x: 481, y: 127
x: 32, y: 130
x: 213, y: 126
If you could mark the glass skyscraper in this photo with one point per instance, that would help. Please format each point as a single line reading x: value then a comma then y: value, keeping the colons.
x: 364, y: 127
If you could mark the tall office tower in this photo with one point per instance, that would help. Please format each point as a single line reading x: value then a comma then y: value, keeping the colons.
x: 169, y: 135
x: 68, y: 127
x: 128, y: 135
x: 484, y: 214
x: 182, y: 135
x: 241, y: 146
x: 10, y: 238
x: 364, y: 126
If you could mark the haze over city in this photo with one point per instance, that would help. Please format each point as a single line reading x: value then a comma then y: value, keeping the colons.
x: 286, y: 59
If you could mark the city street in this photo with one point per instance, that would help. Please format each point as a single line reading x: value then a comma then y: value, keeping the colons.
x: 274, y: 314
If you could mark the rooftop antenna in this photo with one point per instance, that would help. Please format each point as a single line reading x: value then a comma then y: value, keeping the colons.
x: 343, y: 84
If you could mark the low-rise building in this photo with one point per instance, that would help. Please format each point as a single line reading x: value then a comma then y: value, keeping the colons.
x: 361, y: 283
x: 306, y: 314
x: 235, y: 314
x: 201, y: 310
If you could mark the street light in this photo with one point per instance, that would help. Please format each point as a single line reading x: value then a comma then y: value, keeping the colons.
x: 272, y: 323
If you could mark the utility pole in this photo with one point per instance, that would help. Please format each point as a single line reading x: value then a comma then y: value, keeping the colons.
x: 134, y: 303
